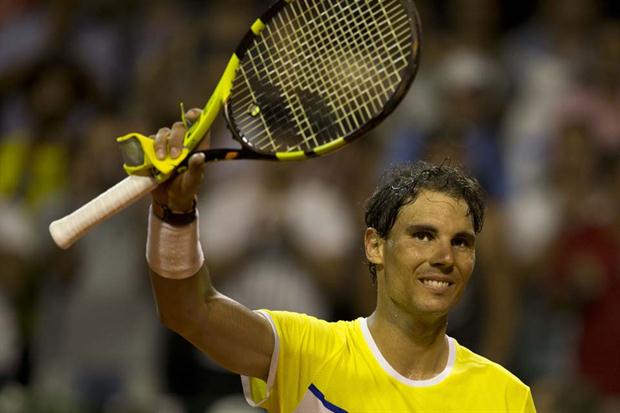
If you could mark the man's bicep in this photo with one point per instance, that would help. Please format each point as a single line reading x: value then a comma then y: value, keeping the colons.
x: 237, y: 338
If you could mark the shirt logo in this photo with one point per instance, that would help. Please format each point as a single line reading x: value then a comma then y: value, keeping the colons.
x: 314, y: 401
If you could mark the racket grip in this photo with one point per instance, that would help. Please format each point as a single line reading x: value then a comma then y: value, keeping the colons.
x: 67, y: 230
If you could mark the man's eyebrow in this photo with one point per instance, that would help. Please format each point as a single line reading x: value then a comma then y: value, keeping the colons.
x: 413, y: 228
x: 467, y: 235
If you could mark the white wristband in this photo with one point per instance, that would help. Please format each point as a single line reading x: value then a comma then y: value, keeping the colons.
x: 173, y: 251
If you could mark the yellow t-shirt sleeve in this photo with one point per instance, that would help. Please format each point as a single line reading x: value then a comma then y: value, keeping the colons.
x: 529, y: 404
x: 303, y: 344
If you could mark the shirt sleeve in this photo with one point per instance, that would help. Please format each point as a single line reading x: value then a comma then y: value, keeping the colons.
x: 302, y: 345
x: 256, y: 391
x: 529, y: 403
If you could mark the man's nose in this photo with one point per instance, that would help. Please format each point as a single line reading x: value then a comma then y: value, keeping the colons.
x: 443, y: 256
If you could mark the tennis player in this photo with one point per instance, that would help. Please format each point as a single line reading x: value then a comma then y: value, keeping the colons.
x: 420, y: 243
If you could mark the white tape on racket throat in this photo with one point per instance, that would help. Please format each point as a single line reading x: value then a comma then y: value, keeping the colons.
x: 173, y: 251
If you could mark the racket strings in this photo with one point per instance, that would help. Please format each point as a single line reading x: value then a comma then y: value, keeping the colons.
x: 341, y: 66
x: 321, y: 62
x: 377, y: 87
x: 301, y: 125
x: 319, y: 71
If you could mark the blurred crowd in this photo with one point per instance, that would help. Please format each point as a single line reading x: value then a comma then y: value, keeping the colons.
x: 525, y: 95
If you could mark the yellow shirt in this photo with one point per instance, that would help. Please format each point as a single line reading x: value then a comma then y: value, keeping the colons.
x: 322, y: 367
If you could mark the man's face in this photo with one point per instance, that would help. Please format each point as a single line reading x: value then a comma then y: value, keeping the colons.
x: 425, y: 263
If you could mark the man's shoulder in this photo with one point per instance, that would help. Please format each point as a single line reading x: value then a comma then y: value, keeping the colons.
x: 303, y: 318
x: 304, y: 324
x: 473, y: 364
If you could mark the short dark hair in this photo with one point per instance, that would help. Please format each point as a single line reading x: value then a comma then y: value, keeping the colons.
x: 403, y: 183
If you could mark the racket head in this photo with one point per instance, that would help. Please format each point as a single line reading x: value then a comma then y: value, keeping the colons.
x: 315, y: 75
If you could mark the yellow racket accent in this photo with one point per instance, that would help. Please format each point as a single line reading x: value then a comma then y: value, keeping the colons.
x: 257, y: 27
x: 222, y: 91
x: 329, y: 146
x: 291, y: 156
x: 183, y: 117
x: 139, y: 150
x: 139, y: 155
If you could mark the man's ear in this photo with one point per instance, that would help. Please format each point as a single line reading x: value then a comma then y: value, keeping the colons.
x: 373, y: 244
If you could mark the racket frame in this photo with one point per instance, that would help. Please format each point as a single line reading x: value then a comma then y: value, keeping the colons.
x: 164, y: 169
x: 247, y: 153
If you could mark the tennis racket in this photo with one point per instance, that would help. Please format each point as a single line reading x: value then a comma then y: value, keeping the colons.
x: 309, y: 77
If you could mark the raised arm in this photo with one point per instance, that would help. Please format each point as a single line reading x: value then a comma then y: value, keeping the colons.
x: 240, y: 340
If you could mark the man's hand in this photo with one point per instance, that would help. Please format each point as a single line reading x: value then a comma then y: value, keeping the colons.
x: 179, y: 192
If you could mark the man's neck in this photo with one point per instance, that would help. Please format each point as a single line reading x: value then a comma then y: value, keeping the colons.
x: 416, y: 349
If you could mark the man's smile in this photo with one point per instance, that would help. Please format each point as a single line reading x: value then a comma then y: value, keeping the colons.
x: 436, y: 285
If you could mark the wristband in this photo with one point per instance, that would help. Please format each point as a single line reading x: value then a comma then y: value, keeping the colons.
x: 164, y: 213
x: 173, y: 251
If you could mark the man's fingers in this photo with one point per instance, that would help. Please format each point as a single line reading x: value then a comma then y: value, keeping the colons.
x: 176, y: 139
x: 186, y: 186
x: 169, y: 140
x: 161, y: 142
x: 193, y: 114
x: 205, y: 143
x: 197, y: 162
x: 195, y: 173
x: 178, y: 193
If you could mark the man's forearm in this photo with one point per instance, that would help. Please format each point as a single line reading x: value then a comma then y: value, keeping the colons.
x: 182, y: 304
x: 179, y: 277
x: 237, y: 338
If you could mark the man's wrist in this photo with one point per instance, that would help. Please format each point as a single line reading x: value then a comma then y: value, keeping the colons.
x: 173, y: 251
x: 174, y: 217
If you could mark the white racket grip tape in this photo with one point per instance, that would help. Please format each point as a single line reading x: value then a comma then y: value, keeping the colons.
x: 72, y: 227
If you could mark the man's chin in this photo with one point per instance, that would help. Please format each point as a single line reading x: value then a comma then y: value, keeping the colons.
x: 433, y: 311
